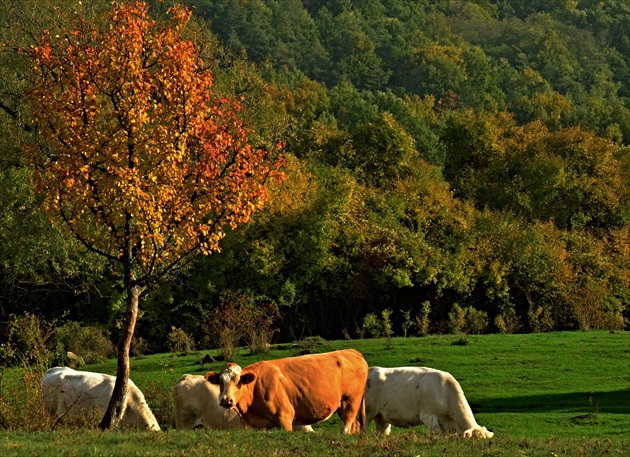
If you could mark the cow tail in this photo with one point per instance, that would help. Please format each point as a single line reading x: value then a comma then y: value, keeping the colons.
x: 362, y: 418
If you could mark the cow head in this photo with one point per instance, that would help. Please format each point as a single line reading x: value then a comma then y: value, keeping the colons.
x: 230, y: 380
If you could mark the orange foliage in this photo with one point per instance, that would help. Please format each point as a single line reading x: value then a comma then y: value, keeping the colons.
x: 144, y: 157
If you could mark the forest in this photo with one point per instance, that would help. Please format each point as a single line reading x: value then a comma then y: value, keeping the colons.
x: 449, y: 167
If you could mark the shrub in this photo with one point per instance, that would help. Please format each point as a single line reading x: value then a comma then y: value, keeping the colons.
x: 540, y: 319
x: 160, y: 400
x: 28, y: 341
x: 467, y: 320
x: 179, y: 341
x: 241, y: 317
x: 372, y: 327
x: 259, y: 333
x: 476, y: 321
x: 507, y: 321
x: 139, y: 346
x: 20, y: 401
x: 388, y: 331
x: 593, y: 307
x: 88, y: 342
x: 312, y: 344
x: 423, y: 321
x: 407, y: 323
x: 457, y: 319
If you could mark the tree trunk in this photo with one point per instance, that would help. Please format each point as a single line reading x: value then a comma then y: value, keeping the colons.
x: 118, y: 402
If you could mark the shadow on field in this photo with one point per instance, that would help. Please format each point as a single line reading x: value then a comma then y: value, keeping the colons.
x: 615, y: 402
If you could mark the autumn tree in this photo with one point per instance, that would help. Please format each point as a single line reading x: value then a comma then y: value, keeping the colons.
x: 145, y: 164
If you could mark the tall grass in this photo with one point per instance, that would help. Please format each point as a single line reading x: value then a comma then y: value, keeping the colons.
x: 542, y: 394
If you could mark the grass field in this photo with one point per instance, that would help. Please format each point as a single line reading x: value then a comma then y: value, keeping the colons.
x: 542, y: 394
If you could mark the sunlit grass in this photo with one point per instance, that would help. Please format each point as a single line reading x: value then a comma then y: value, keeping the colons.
x: 542, y: 394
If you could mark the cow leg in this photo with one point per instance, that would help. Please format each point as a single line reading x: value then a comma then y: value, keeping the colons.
x: 285, y: 421
x: 348, y: 412
x: 286, y: 425
x: 382, y: 426
x: 347, y: 420
x: 431, y: 421
x: 304, y: 428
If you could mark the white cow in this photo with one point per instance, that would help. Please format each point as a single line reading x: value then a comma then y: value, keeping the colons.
x: 80, y: 393
x: 408, y: 396
x: 196, y: 404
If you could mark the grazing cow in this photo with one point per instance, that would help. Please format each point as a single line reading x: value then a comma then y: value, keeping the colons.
x: 79, y: 393
x: 196, y: 404
x: 301, y: 390
x: 408, y: 396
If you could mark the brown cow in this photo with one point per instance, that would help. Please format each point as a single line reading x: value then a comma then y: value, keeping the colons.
x: 301, y: 390
x: 196, y: 405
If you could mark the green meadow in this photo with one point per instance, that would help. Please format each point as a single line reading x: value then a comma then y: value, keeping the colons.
x: 545, y: 394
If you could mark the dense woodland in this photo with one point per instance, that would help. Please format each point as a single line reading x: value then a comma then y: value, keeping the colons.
x: 450, y: 166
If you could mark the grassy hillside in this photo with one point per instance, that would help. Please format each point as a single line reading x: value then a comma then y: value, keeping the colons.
x: 542, y: 394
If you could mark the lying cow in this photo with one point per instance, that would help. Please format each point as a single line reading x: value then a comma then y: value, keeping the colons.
x: 196, y: 404
x: 301, y: 390
x: 409, y: 396
x: 67, y: 392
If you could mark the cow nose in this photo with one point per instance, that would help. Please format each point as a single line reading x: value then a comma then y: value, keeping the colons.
x: 227, y: 402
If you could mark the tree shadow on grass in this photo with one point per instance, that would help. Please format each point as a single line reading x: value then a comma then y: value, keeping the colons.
x: 614, y: 402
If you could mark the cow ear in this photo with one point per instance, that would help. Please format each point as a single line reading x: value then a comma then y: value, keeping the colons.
x: 247, y: 378
x: 212, y: 377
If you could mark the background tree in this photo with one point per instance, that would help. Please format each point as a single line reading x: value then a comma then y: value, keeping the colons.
x: 538, y: 151
x: 39, y: 264
x: 145, y: 164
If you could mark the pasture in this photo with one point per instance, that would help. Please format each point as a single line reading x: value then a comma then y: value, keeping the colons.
x: 547, y: 394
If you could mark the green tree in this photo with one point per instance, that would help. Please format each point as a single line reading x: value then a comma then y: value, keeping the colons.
x: 40, y: 266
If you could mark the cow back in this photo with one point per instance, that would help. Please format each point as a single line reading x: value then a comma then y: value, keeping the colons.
x: 67, y: 391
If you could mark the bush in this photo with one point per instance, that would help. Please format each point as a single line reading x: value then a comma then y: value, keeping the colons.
x: 28, y: 342
x: 312, y: 344
x: 179, y: 341
x: 375, y: 327
x: 423, y: 321
x: 476, y: 321
x: 593, y: 307
x: 241, y: 317
x: 20, y: 401
x: 407, y: 323
x: 507, y: 321
x: 258, y: 335
x: 388, y: 331
x: 540, y: 319
x: 87, y: 342
x: 139, y: 346
x: 467, y: 320
x: 457, y: 319
x: 160, y: 400
x: 372, y: 327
